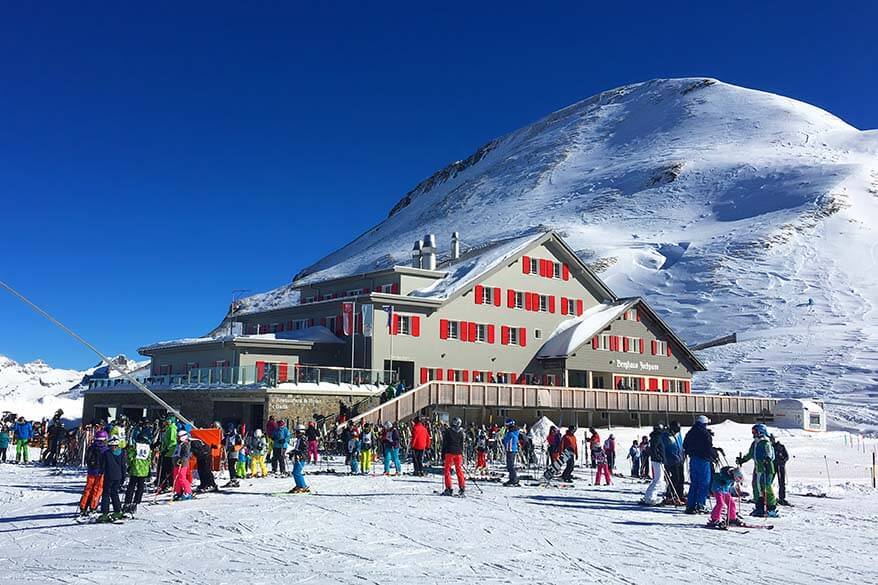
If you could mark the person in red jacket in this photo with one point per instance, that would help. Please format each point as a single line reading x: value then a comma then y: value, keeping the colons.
x: 420, y: 443
x: 594, y: 443
x: 568, y: 442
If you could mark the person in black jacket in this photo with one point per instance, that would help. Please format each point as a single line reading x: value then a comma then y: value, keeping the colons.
x: 452, y: 454
x: 781, y: 456
x: 113, y: 467
x: 204, y: 465
x: 698, y: 446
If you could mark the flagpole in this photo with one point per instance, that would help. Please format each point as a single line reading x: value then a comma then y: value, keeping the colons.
x: 353, y: 336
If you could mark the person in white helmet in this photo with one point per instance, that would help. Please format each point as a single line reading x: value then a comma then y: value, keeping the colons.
x: 257, y: 447
x: 300, y: 456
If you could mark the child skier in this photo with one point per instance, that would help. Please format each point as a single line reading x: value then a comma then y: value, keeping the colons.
x: 182, y: 483
x: 482, y: 452
x: 300, y: 455
x: 313, y: 436
x: 634, y: 456
x: 367, y: 443
x: 390, y: 442
x: 354, y: 447
x: 94, y: 483
x: 139, y: 453
x: 721, y: 488
x: 603, y: 466
x: 258, y: 447
x: 113, y: 468
x: 242, y: 467
x: 762, y: 454
x: 4, y: 442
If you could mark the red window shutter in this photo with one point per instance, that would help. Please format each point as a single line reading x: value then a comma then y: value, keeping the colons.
x: 323, y: 321
x: 465, y: 374
x: 424, y: 376
x: 473, y: 331
x: 640, y: 343
x: 618, y: 342
x: 525, y: 264
x: 260, y: 370
x: 595, y: 342
x: 535, y: 302
x: 497, y: 297
x: 416, y: 325
x: 687, y: 388
x: 478, y: 293
x: 541, y: 265
x: 625, y: 344
x: 394, y: 288
x: 637, y: 314
x: 527, y: 301
x: 547, y: 268
x: 616, y: 380
x: 395, y: 328
x: 451, y: 377
x: 653, y: 384
x: 552, y: 304
x: 490, y: 334
x: 565, y: 272
x: 510, y: 298
x: 443, y: 328
x: 578, y: 307
x: 563, y: 305
x: 669, y: 349
x: 367, y: 290
x: 283, y: 372
x: 439, y: 374
x: 643, y: 385
x: 652, y: 347
x: 504, y: 335
x: 522, y: 337
x: 664, y: 385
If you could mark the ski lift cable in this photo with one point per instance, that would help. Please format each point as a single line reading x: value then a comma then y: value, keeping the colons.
x: 123, y: 372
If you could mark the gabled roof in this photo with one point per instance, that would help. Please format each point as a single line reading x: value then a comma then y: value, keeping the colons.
x: 572, y: 334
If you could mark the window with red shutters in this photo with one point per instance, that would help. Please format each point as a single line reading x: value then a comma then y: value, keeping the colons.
x: 510, y: 298
x: 552, y: 304
x: 504, y: 335
x: 653, y: 384
x: 664, y: 385
x: 565, y: 272
x: 443, y: 328
x: 424, y: 376
x: 563, y: 305
x: 497, y: 296
x: 687, y: 388
x: 490, y: 334
x: 479, y: 293
x: 525, y: 264
x: 527, y: 301
x: 578, y: 307
x: 522, y: 337
x: 416, y: 326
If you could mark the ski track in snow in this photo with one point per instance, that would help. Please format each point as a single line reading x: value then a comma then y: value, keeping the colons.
x: 378, y: 530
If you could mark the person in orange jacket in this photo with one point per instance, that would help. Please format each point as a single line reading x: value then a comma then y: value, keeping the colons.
x: 568, y: 442
x: 420, y: 443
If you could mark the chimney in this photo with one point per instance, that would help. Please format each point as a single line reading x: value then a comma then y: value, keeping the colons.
x: 428, y: 261
x: 416, y: 254
x: 455, y: 246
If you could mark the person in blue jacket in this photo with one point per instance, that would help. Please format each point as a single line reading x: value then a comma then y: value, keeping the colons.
x: 23, y: 432
x: 698, y: 446
x: 281, y: 443
x: 510, y: 443
x: 4, y: 442
x: 114, y: 468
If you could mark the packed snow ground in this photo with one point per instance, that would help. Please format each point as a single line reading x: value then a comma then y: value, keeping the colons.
x: 381, y: 530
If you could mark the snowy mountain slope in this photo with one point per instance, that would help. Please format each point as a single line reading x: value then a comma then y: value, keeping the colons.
x: 727, y: 208
x: 36, y: 390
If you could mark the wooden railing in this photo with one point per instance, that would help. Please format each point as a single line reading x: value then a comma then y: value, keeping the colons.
x: 562, y: 398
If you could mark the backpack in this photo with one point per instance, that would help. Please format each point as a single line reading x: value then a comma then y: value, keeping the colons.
x: 92, y: 457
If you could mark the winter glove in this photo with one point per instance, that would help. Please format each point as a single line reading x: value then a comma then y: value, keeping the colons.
x: 739, y: 461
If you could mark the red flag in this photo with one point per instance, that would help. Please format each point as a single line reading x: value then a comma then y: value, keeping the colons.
x: 347, y: 312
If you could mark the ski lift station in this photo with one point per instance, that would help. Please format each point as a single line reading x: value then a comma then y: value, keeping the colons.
x: 520, y: 327
x: 792, y: 413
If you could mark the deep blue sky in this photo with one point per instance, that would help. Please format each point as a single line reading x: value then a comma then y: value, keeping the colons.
x: 153, y: 157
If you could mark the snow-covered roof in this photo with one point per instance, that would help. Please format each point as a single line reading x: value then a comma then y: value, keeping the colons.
x: 316, y: 334
x: 572, y: 333
x: 808, y: 405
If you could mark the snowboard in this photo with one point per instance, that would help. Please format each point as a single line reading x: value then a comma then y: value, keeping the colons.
x: 556, y: 466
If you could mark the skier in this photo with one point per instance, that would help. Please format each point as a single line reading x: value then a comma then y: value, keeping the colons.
x: 204, y: 465
x: 270, y: 427
x: 762, y: 455
x: 420, y: 443
x: 634, y: 456
x: 232, y: 444
x: 257, y: 447
x: 554, y: 445
x: 168, y: 445
x: 113, y: 468
x: 4, y: 441
x: 781, y: 456
x: 568, y: 442
x: 452, y: 454
x: 139, y: 454
x: 94, y: 482
x: 312, y: 435
x: 721, y: 488
x: 56, y: 435
x: 281, y: 443
x: 594, y: 441
x: 610, y: 451
x: 367, y: 443
x: 673, y: 447
x: 390, y: 443
x: 300, y: 456
x: 654, y: 495
x: 354, y: 451
x: 698, y: 446
x: 482, y: 452
x: 603, y: 466
x: 644, y: 457
x: 23, y: 432
x: 510, y: 443
x: 182, y: 453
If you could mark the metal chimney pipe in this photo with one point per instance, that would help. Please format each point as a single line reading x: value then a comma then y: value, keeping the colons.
x: 455, y: 246
x: 416, y: 254
x: 428, y: 260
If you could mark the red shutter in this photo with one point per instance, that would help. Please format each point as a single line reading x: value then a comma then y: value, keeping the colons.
x: 625, y: 344
x: 424, y: 376
x: 565, y: 272
x: 618, y: 342
x: 510, y: 298
x: 686, y: 387
x: 465, y: 375
x: 478, y: 293
x: 549, y: 270
x: 311, y: 322
x: 637, y: 314
x: 394, y: 288
x: 653, y: 384
x: 490, y: 334
x: 669, y: 349
x: 497, y: 297
x: 552, y: 304
x: 595, y: 342
x: 664, y: 385
x: 616, y: 380
x: 563, y: 305
x: 323, y: 321
x: 283, y: 372
x: 542, y: 267
x: 527, y: 301
x: 522, y: 337
x: 640, y: 342
x: 643, y: 385
x: 395, y: 328
x: 451, y: 377
x: 535, y: 302
x: 525, y: 264
x: 367, y: 290
x: 443, y: 328
x: 439, y: 374
x: 473, y: 333
x: 504, y: 335
x: 416, y: 326
x: 260, y: 370
x: 652, y: 347
x: 578, y: 307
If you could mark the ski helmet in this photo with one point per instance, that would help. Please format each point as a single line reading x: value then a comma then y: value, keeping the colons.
x: 258, y: 432
x: 101, y: 436
x: 658, y: 427
x: 455, y: 424
x: 114, y: 440
x: 510, y: 422
x: 702, y: 420
x: 388, y: 425
x: 182, y: 436
x: 760, y: 430
x: 300, y: 428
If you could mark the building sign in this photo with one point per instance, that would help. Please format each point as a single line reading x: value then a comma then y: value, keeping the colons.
x: 368, y: 319
x: 637, y: 365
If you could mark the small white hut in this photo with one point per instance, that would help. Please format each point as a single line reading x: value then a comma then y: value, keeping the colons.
x: 793, y: 413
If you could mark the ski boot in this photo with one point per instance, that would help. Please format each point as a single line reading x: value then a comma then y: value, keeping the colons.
x: 184, y: 497
x: 83, y: 514
x: 718, y: 524
x: 447, y: 492
x: 116, y: 516
x: 784, y: 503
x: 104, y: 519
x: 735, y: 522
x: 461, y: 493
x: 773, y: 513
